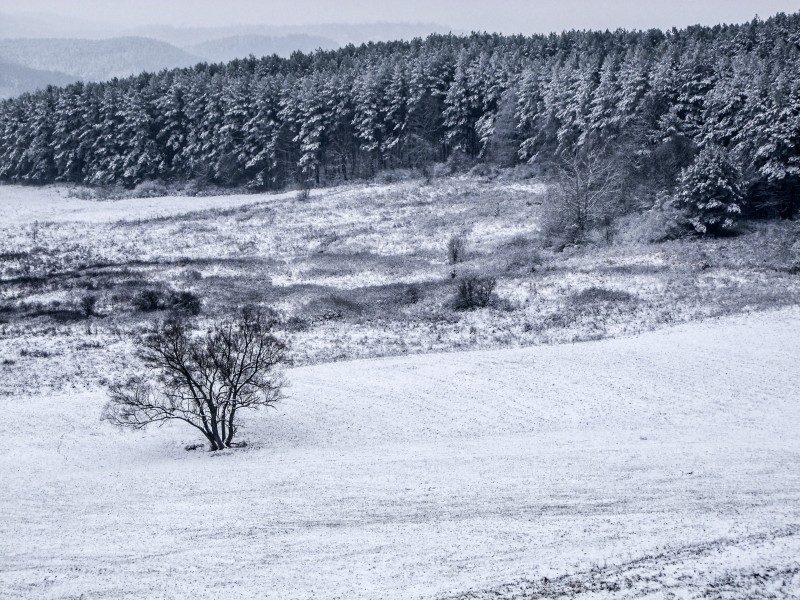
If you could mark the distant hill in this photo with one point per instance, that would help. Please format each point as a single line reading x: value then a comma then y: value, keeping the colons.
x: 48, y: 55
x: 341, y: 33
x: 16, y: 79
x: 226, y: 49
x: 95, y: 60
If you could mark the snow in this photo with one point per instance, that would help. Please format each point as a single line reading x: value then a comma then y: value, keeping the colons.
x: 430, y: 476
x: 22, y: 205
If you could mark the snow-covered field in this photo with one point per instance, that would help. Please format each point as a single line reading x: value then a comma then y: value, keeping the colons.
x: 664, y: 465
x: 21, y: 206
x: 361, y: 271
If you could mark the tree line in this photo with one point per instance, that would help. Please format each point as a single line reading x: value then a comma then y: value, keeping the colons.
x: 651, y: 99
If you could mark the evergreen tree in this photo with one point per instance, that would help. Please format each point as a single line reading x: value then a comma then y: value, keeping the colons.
x: 710, y: 192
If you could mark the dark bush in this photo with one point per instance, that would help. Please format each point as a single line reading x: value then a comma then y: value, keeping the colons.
x: 296, y: 324
x: 333, y: 307
x: 150, y: 301
x: 35, y: 353
x: 411, y: 294
x: 154, y: 300
x: 187, y: 302
x: 474, y: 291
x: 88, y: 306
x: 596, y: 294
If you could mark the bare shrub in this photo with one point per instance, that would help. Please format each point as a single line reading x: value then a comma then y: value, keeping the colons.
x: 90, y: 193
x: 149, y: 301
x: 390, y: 176
x: 595, y: 295
x: 456, y: 249
x: 411, y: 294
x: 193, y: 275
x: 157, y: 300
x: 34, y: 353
x: 304, y: 193
x: 522, y: 253
x: 474, y: 291
x: 88, y: 306
x: 332, y: 307
x: 187, y: 302
x: 150, y: 189
x: 661, y: 223
x: 205, y: 381
x: 587, y: 186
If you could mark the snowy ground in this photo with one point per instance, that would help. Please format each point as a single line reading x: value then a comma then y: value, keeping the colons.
x: 664, y: 465
x: 21, y: 206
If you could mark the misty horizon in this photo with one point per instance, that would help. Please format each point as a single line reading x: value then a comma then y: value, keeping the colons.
x: 98, y: 19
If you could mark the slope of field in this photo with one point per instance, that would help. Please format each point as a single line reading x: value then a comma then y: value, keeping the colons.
x: 647, y: 466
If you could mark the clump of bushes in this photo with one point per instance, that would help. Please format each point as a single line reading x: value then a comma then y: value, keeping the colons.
x: 158, y: 300
x: 474, y: 291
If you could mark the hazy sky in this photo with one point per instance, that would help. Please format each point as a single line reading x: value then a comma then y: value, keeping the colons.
x: 493, y: 15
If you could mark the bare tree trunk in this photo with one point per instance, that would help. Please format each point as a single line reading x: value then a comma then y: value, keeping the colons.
x: 231, y: 428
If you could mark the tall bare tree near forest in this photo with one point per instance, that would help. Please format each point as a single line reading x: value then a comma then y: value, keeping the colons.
x: 590, y: 182
x: 206, y: 380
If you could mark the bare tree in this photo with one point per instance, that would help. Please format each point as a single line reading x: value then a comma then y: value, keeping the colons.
x: 456, y: 249
x: 589, y: 181
x: 203, y: 380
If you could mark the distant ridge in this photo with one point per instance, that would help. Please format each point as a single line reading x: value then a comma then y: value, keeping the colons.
x: 227, y: 49
x: 16, y: 79
x: 341, y: 33
x: 95, y: 60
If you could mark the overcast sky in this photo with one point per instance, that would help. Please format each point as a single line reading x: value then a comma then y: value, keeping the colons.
x: 508, y: 16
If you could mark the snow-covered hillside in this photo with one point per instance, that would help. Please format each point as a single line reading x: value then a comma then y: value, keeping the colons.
x: 669, y: 460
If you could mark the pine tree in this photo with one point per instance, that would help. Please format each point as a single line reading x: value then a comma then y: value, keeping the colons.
x: 461, y: 109
x: 710, y: 192
x: 139, y: 152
